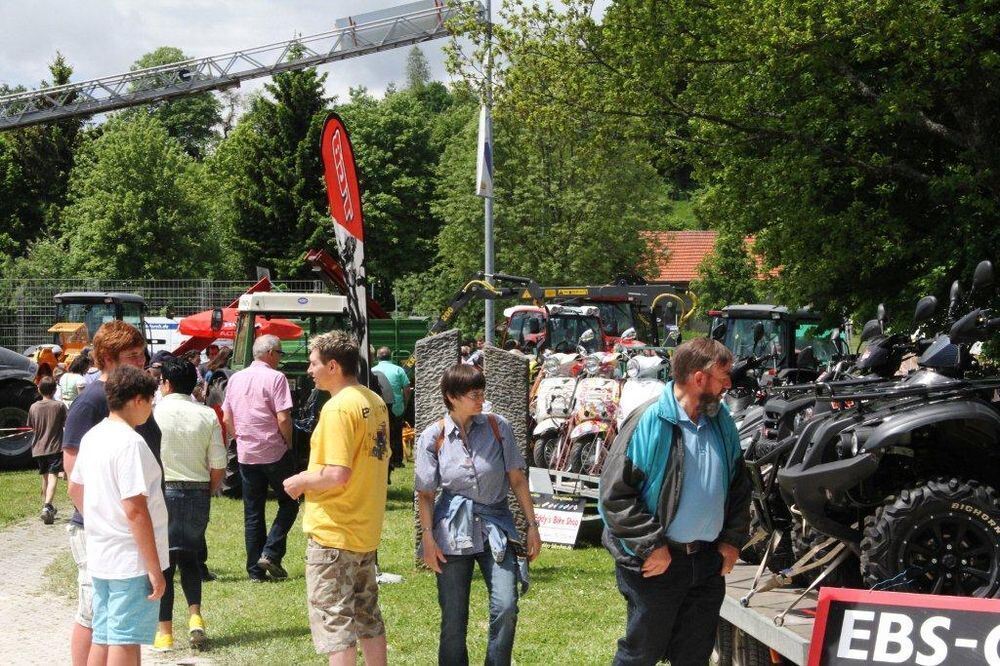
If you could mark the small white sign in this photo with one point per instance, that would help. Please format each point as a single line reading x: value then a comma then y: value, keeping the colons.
x: 558, y: 518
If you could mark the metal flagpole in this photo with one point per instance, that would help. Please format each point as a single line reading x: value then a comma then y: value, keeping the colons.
x: 490, y: 314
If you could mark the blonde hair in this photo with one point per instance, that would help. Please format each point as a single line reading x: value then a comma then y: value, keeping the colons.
x: 340, y: 347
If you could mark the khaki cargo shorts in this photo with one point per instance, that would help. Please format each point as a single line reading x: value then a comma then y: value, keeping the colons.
x: 343, y: 597
x: 84, y: 586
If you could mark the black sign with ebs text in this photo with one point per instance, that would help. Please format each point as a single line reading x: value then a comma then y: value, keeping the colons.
x: 862, y: 627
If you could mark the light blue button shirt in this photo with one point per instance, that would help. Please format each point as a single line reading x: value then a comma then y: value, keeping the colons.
x: 702, y: 507
x: 475, y: 469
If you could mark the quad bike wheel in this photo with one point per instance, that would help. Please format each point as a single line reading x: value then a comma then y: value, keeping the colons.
x: 941, y: 537
x: 735, y: 647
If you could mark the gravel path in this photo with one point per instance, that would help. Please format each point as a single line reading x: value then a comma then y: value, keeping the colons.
x: 37, y: 623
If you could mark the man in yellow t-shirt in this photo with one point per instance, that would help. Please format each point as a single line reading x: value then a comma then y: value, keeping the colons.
x: 345, y: 490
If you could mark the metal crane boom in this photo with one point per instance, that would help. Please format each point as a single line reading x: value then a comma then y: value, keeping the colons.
x: 353, y: 36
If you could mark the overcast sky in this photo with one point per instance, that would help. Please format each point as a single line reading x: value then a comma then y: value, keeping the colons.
x: 104, y: 37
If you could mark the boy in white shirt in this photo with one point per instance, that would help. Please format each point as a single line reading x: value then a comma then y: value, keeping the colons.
x: 117, y: 482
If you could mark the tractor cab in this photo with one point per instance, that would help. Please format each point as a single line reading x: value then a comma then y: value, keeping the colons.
x: 78, y: 316
x: 765, y: 331
x: 312, y: 313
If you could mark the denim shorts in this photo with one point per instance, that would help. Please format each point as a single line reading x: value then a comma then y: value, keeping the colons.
x: 122, y: 613
x: 188, y: 510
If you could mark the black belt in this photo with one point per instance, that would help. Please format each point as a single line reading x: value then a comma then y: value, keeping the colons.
x: 194, y: 485
x: 689, y: 548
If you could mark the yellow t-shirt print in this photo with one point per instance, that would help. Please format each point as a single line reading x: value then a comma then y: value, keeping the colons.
x: 352, y: 432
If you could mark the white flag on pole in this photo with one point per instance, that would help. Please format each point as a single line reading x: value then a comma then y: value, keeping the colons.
x: 484, y: 161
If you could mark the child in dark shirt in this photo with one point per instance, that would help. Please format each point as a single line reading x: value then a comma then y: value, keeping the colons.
x: 46, y: 418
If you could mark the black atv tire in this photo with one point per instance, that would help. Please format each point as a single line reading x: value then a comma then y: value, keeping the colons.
x: 848, y: 574
x: 725, y: 649
x: 15, y: 401
x: 543, y: 450
x: 750, y: 651
x: 941, y: 537
x: 232, y: 482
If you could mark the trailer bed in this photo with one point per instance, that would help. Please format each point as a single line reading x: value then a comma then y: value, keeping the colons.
x: 791, y: 639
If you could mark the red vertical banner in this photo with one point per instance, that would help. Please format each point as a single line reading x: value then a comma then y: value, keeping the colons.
x: 344, y: 197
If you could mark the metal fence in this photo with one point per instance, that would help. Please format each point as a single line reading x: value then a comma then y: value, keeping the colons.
x: 27, y: 310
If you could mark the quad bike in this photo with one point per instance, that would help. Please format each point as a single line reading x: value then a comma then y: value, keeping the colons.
x: 903, y: 475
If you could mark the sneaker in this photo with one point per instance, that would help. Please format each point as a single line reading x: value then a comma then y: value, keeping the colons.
x: 258, y: 579
x: 208, y: 576
x: 163, y: 642
x: 196, y: 632
x: 272, y: 568
x: 383, y: 578
x: 48, y: 514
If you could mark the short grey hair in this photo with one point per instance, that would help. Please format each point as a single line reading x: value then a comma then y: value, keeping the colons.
x: 265, y: 344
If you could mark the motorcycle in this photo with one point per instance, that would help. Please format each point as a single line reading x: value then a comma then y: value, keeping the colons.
x: 591, y: 425
x: 647, y: 370
x: 552, y: 402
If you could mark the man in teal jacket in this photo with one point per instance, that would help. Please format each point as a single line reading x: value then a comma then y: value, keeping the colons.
x: 675, y: 498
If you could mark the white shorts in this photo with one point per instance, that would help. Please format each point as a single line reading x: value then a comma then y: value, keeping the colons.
x: 84, y: 586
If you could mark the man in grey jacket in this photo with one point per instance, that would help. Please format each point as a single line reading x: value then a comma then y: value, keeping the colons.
x: 675, y: 498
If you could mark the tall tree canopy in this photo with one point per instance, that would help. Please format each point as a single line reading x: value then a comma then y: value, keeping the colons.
x: 35, y: 164
x: 191, y: 119
x: 137, y: 208
x: 855, y: 140
x: 269, y: 176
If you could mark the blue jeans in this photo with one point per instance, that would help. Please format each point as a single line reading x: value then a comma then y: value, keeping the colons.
x: 188, y: 510
x: 454, y: 584
x: 256, y: 480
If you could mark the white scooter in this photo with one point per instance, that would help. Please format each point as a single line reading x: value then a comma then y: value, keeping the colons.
x: 646, y: 373
x: 552, y: 403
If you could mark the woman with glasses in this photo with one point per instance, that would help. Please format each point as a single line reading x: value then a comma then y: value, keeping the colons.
x: 474, y: 460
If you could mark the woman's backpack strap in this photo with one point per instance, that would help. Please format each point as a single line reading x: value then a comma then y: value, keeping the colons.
x: 439, y: 442
x: 495, y: 427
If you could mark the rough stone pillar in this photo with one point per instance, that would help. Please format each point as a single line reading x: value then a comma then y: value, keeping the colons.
x: 434, y: 355
x: 507, y: 384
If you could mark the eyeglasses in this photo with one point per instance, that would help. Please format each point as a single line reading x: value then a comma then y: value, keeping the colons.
x: 478, y: 396
x: 279, y: 352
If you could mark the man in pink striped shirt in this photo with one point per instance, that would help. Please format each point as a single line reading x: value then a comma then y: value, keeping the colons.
x: 257, y: 411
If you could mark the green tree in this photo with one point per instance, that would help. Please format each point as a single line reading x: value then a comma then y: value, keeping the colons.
x: 270, y: 176
x: 34, y: 180
x: 396, y: 160
x: 855, y: 141
x: 191, y: 119
x: 418, y: 71
x: 137, y: 209
x: 728, y: 275
x: 569, y: 207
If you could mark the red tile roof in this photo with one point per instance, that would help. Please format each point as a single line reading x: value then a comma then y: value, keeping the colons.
x: 679, y: 253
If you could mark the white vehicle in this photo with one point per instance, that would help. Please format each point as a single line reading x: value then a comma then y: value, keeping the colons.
x: 552, y: 403
x: 645, y: 377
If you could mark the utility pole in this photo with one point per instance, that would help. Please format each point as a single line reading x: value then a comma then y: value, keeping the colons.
x: 490, y: 314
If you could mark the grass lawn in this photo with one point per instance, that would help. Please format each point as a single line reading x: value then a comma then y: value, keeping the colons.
x: 573, y: 613
x: 21, y: 496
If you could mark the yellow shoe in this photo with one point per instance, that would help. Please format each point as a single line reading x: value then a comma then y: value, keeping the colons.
x: 196, y: 632
x: 163, y: 642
